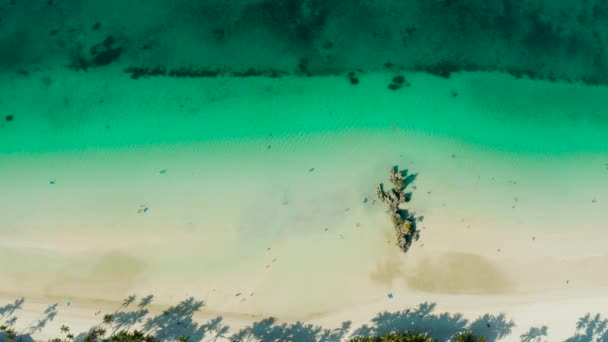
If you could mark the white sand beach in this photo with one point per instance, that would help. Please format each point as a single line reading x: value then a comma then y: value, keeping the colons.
x: 248, y: 194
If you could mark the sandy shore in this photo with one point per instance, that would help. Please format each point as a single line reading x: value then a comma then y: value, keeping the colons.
x: 181, y: 195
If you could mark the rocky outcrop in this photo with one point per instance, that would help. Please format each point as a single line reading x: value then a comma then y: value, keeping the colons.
x: 395, y: 199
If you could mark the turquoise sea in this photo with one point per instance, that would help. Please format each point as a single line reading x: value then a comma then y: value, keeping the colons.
x: 215, y: 148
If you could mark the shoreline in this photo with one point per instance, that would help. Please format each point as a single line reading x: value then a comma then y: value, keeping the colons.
x: 444, y: 242
x: 273, y: 206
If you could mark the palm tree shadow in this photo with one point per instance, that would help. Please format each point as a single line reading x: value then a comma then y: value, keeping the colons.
x: 267, y: 330
x: 170, y: 325
x: 420, y: 319
x: 336, y: 335
x: 147, y: 300
x: 7, y: 313
x: 48, y: 316
x: 534, y: 334
x: 177, y: 321
x: 441, y: 326
x: 129, y: 300
x: 8, y: 310
x: 125, y: 320
x: 590, y: 329
x: 216, y: 326
x: 492, y: 327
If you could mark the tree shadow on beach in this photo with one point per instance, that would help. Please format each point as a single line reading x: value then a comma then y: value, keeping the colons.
x: 415, y: 320
x: 125, y: 320
x: 8, y: 318
x: 178, y: 322
x: 442, y: 326
x: 48, y: 316
x: 7, y: 311
x: 170, y: 325
x: 590, y: 329
x: 494, y: 328
x: 147, y: 300
x: 129, y: 300
x: 535, y: 334
x: 268, y: 330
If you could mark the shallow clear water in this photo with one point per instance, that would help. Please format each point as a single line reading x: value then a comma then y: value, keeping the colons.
x: 112, y: 185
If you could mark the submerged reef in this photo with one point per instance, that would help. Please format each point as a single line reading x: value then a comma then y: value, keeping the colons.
x: 100, y: 54
x: 557, y: 41
x: 200, y: 71
x: 403, y: 220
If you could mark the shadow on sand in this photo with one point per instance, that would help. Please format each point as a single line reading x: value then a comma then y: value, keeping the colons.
x: 178, y: 321
x: 535, y: 334
x: 590, y: 329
